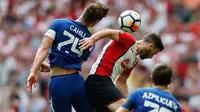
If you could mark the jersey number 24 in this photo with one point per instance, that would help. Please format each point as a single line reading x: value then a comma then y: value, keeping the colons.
x: 73, y: 40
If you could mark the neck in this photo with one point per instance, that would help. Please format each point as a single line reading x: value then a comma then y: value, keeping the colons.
x: 164, y: 88
x: 80, y: 20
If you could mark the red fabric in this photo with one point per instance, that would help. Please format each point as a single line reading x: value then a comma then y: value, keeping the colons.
x: 195, y: 28
x: 127, y: 72
x: 114, y: 51
x: 181, y: 69
x: 183, y: 109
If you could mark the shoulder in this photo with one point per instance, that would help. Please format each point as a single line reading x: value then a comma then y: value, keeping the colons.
x: 172, y: 98
x: 137, y: 91
x: 60, y: 21
x: 126, y: 36
x: 146, y: 90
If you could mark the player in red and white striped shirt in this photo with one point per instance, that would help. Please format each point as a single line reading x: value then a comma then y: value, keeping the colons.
x: 115, y: 63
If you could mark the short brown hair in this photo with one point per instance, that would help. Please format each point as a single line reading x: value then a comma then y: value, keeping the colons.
x: 95, y: 12
x: 162, y: 74
x: 154, y: 39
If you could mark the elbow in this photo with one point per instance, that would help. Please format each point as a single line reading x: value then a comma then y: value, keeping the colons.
x: 106, y: 30
x: 44, y: 48
x: 120, y: 83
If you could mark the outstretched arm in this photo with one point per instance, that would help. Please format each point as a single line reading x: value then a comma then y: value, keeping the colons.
x: 106, y: 33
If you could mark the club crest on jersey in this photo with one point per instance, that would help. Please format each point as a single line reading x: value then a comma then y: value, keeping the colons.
x: 124, y: 64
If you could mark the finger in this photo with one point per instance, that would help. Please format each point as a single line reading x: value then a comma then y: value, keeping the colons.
x: 29, y: 87
x: 82, y: 42
x: 28, y: 79
x: 35, y: 84
x: 91, y: 48
x: 83, y: 45
x: 40, y: 69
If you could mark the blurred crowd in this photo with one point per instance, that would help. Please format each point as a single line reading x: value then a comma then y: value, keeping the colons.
x: 24, y: 22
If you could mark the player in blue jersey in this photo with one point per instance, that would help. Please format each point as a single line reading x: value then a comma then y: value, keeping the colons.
x: 66, y: 87
x: 156, y: 99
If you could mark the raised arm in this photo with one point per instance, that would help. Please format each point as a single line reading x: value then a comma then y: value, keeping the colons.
x: 106, y: 33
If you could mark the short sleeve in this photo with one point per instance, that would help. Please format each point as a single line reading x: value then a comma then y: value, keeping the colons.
x: 126, y: 38
x: 131, y: 101
x: 51, y: 32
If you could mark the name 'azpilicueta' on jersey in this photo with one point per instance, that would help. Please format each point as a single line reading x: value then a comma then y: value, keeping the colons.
x: 159, y: 99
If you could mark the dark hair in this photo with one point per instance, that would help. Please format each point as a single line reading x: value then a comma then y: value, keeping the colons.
x: 94, y: 12
x: 161, y: 74
x: 155, y: 39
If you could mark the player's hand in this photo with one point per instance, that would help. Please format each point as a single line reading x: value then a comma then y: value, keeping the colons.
x: 45, y: 67
x: 86, y: 43
x: 32, y: 80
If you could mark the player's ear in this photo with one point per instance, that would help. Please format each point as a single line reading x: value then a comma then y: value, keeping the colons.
x: 151, y: 78
x: 171, y: 80
x: 94, y: 23
x: 151, y: 46
x: 97, y: 21
x: 148, y: 47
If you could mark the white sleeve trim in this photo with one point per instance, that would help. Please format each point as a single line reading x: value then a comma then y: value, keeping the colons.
x: 50, y: 33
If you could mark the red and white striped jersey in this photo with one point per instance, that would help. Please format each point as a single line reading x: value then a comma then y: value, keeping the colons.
x: 117, y: 57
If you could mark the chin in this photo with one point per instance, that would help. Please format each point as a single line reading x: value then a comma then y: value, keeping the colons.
x: 142, y: 58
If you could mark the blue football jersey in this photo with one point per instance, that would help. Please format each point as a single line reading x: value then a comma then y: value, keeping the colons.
x: 65, y: 50
x: 152, y: 100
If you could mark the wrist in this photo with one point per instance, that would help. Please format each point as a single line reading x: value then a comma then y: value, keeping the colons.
x: 34, y: 71
x: 93, y: 40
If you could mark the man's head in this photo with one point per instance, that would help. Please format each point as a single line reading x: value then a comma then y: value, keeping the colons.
x: 161, y: 74
x: 94, y: 13
x: 151, y: 45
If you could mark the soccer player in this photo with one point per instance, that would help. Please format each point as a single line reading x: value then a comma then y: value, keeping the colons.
x: 66, y: 87
x: 115, y: 63
x: 156, y: 99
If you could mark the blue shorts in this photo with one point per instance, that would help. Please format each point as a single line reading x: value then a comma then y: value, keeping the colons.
x: 66, y: 91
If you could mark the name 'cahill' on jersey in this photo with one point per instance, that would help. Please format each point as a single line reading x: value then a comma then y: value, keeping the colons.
x: 65, y: 50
